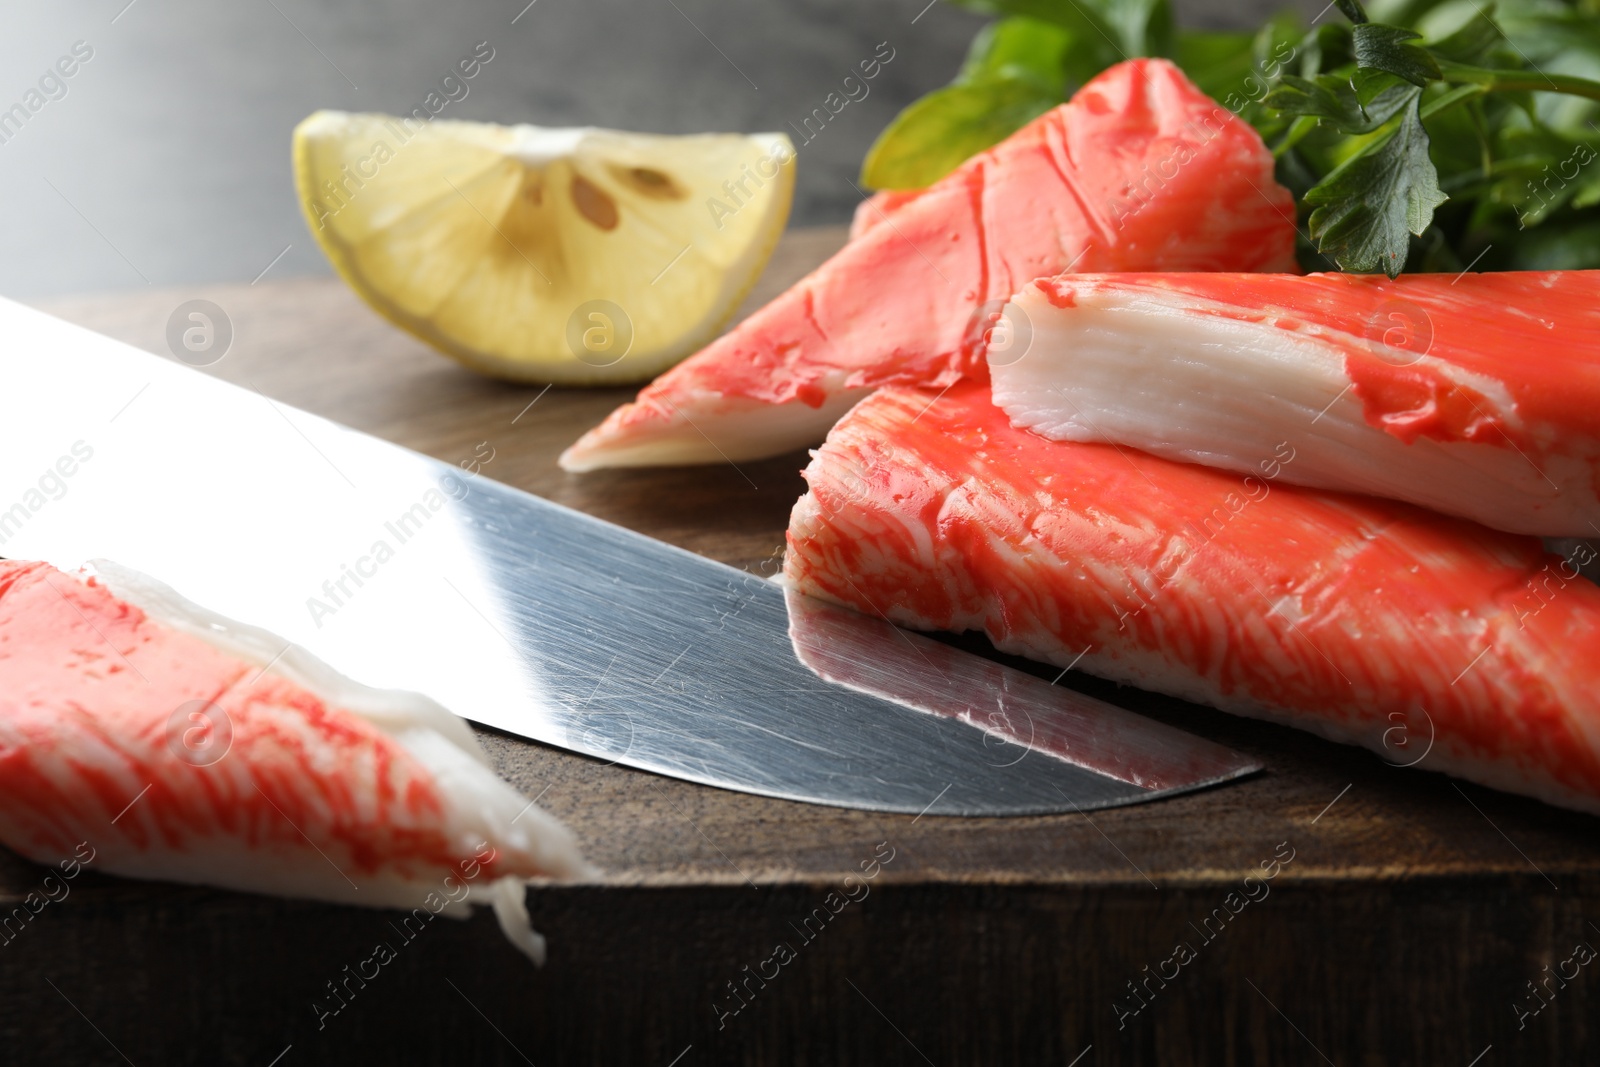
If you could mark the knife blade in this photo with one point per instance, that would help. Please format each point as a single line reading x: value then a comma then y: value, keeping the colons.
x: 407, y: 572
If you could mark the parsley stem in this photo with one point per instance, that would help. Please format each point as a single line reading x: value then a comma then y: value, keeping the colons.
x: 1519, y: 80
x: 1301, y: 126
x: 1452, y: 98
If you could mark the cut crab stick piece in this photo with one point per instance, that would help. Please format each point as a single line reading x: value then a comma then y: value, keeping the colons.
x: 1476, y: 395
x: 1434, y: 641
x: 162, y: 741
x: 1139, y: 171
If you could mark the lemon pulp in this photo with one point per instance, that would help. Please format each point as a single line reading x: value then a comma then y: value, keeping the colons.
x: 575, y: 256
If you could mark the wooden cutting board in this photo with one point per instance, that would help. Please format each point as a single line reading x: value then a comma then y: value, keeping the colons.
x: 1406, y: 916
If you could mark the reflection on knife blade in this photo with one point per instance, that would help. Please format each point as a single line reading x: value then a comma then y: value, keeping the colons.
x: 1017, y: 712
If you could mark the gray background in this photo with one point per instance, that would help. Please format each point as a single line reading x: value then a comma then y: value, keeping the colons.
x: 167, y: 162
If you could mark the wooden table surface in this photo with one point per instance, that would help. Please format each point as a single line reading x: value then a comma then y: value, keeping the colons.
x: 1403, y: 930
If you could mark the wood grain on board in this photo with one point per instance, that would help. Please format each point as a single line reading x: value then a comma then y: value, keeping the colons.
x: 1403, y: 930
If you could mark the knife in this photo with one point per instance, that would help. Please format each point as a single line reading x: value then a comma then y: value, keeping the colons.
x: 409, y: 573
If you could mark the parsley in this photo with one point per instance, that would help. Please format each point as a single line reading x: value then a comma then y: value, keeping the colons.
x: 1420, y: 134
x: 1365, y: 212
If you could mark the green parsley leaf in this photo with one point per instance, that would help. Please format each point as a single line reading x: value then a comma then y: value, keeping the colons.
x: 1114, y: 29
x: 937, y: 133
x: 1389, y: 49
x: 1143, y: 27
x: 1019, y: 47
x: 1352, y: 10
x: 1368, y: 208
x: 1473, y: 40
x: 1218, y: 62
x: 1334, y: 99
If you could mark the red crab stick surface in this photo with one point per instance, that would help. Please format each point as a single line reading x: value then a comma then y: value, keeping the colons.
x: 1362, y: 620
x: 1139, y: 171
x: 1476, y: 394
x: 170, y: 756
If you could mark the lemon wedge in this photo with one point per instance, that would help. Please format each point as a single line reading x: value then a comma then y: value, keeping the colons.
x: 574, y: 256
